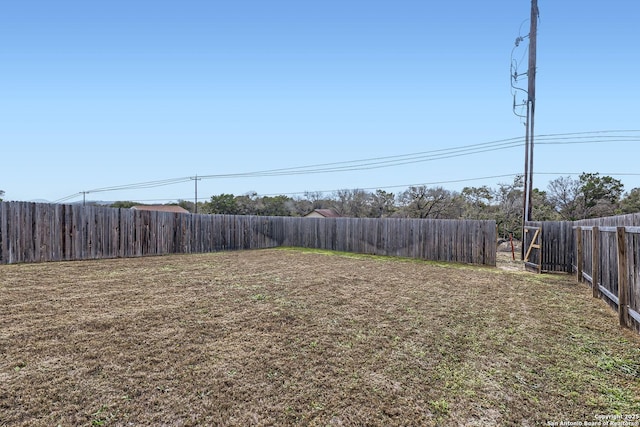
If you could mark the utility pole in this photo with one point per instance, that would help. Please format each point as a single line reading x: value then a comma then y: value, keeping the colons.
x: 531, y: 104
x: 531, y: 108
x: 196, y: 179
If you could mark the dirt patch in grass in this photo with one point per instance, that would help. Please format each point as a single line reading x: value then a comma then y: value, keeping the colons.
x: 292, y: 337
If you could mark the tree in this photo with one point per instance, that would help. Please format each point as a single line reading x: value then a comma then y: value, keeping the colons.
x: 351, y: 203
x: 382, y: 204
x: 543, y: 209
x: 191, y: 206
x: 1, y: 195
x: 563, y: 196
x: 590, y: 196
x: 510, y: 209
x: 631, y: 202
x: 429, y: 202
x: 123, y: 204
x: 302, y: 206
x: 274, y: 206
x: 600, y: 195
x: 310, y: 201
x: 316, y: 199
x: 477, y: 201
x: 221, y: 204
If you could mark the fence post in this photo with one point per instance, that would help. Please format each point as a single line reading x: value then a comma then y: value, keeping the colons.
x: 623, y: 284
x: 595, y: 261
x: 580, y: 249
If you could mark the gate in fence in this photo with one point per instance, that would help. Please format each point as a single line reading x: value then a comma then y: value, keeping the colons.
x: 532, y: 243
x: 548, y: 246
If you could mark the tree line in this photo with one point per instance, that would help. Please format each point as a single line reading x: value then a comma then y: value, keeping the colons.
x: 588, y: 196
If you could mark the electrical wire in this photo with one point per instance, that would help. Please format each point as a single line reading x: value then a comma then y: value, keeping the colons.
x: 602, y: 136
x: 148, y: 184
x: 515, y: 74
x: 367, y: 164
x: 454, y: 181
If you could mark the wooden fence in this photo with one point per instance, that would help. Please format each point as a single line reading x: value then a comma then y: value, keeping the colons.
x: 608, y: 259
x: 33, y: 232
x: 604, y: 252
x: 556, y: 252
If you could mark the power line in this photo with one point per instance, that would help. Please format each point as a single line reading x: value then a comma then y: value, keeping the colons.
x: 603, y: 136
x: 64, y: 199
x: 365, y: 188
x: 378, y: 162
x: 454, y: 181
x: 136, y: 186
x: 580, y: 173
x: 399, y: 160
x: 140, y: 185
x: 352, y: 165
x: 382, y: 187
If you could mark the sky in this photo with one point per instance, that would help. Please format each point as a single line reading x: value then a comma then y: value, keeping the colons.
x: 97, y: 96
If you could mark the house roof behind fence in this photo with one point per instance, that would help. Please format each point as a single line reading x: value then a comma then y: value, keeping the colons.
x: 327, y: 213
x: 160, y: 208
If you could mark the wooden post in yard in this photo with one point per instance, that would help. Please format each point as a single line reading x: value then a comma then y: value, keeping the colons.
x: 595, y: 261
x: 540, y: 250
x: 531, y: 92
x: 580, y: 256
x: 623, y: 284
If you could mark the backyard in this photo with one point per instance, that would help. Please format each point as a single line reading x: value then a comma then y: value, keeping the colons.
x: 304, y: 337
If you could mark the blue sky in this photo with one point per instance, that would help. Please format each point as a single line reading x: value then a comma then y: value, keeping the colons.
x: 108, y: 93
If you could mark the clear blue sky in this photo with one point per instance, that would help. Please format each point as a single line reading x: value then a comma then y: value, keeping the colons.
x: 97, y: 94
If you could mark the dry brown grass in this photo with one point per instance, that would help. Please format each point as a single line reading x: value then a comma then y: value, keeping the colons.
x: 292, y: 337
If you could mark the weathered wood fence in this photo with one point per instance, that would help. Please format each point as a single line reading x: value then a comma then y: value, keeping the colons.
x: 608, y: 259
x: 35, y: 232
x: 603, y: 252
x: 556, y: 252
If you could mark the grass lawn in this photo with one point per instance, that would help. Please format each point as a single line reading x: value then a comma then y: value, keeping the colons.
x: 294, y: 337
